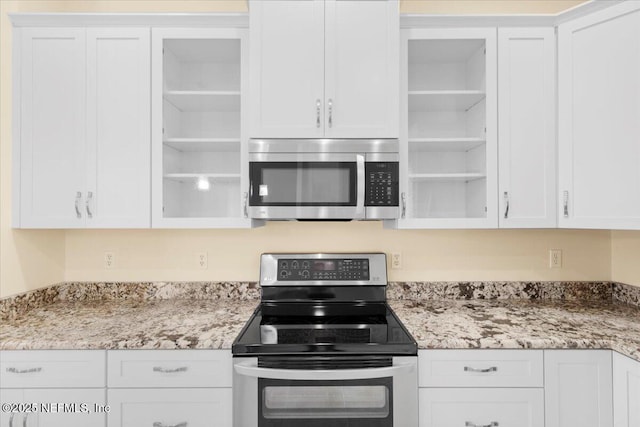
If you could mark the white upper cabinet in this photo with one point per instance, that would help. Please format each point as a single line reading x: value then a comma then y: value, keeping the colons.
x: 324, y: 68
x: 82, y: 137
x: 200, y: 166
x: 599, y: 119
x: 50, y: 141
x: 527, y: 131
x: 448, y: 147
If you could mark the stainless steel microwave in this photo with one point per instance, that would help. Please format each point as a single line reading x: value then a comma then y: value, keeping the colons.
x: 323, y: 179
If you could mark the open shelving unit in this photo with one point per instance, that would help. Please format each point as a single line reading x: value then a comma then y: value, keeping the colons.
x: 446, y: 140
x: 201, y: 128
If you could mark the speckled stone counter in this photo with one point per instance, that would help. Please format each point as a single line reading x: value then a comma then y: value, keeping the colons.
x: 438, y: 315
x: 520, y: 323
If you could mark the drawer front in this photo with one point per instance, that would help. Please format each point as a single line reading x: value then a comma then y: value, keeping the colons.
x: 169, y: 368
x: 480, y: 368
x: 52, y: 368
x: 460, y: 407
x: 170, y: 407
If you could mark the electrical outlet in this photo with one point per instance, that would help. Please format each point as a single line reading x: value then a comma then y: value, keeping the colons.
x: 109, y: 260
x: 555, y: 258
x: 396, y: 261
x: 202, y: 260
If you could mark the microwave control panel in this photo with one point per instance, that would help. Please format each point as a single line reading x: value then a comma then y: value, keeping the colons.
x: 323, y: 269
x: 381, y: 185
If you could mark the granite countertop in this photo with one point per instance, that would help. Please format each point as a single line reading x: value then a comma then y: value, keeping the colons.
x: 157, y: 318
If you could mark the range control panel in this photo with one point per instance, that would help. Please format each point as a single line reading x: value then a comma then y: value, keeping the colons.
x: 342, y: 269
x: 381, y: 185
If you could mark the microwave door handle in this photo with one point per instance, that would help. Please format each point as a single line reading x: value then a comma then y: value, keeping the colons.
x: 360, y: 186
x: 250, y: 369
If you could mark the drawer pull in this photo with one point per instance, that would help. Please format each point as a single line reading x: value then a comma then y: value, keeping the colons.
x: 159, y: 424
x: 492, y: 424
x: 485, y: 370
x: 24, y: 371
x: 170, y: 371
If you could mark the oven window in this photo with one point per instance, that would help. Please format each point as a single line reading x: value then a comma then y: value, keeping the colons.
x: 320, y: 403
x: 303, y: 183
x: 326, y: 402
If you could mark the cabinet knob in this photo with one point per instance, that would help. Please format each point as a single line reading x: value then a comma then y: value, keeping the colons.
x: 565, y: 195
x: 506, y: 204
x: 88, y: 204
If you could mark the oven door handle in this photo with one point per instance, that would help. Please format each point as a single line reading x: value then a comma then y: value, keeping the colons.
x: 250, y: 368
x: 360, y: 184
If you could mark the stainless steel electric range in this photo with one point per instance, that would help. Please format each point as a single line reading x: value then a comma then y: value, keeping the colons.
x: 323, y: 348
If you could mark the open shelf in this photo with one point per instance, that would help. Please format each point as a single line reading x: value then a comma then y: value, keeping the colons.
x: 444, y: 100
x: 445, y: 144
x: 447, y: 176
x: 204, y: 100
x: 193, y: 176
x: 203, y: 144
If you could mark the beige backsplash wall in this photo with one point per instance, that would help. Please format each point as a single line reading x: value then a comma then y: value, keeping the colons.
x: 34, y: 258
x: 625, y: 257
x: 426, y: 254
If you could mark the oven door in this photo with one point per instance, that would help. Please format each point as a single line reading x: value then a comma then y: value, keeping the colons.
x: 371, y: 397
x: 307, y: 185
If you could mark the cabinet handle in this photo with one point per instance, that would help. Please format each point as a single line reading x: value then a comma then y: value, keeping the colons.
x: 87, y: 205
x: 23, y: 371
x: 404, y: 204
x: 246, y: 205
x: 565, y: 195
x: 11, y: 417
x: 159, y: 424
x: 492, y: 424
x: 318, y: 113
x: 470, y: 369
x: 330, y: 112
x: 169, y: 371
x: 78, y: 199
x: 506, y: 204
x: 24, y: 420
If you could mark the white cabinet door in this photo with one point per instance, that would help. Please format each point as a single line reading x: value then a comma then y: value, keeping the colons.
x: 51, y: 74
x: 118, y: 128
x: 170, y: 407
x: 362, y: 66
x: 527, y: 133
x: 287, y: 68
x: 478, y: 407
x: 66, y: 408
x: 599, y: 119
x: 578, y: 388
x: 626, y: 391
x: 11, y: 416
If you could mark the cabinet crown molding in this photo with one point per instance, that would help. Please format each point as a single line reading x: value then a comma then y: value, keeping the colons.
x: 168, y: 20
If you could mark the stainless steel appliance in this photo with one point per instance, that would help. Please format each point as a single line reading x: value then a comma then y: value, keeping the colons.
x: 323, y: 348
x: 323, y: 179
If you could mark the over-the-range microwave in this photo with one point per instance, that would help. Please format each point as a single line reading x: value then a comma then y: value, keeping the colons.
x: 339, y: 179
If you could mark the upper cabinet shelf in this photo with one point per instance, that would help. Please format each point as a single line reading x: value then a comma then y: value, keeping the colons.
x: 204, y: 100
x: 444, y: 100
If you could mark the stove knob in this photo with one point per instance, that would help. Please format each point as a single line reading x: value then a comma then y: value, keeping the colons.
x: 305, y: 265
x: 305, y: 274
x: 283, y: 274
x: 294, y: 265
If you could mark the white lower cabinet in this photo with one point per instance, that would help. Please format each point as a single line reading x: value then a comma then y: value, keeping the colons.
x: 480, y: 407
x: 53, y: 407
x: 170, y: 407
x: 52, y: 388
x: 626, y: 391
x: 167, y: 388
x: 578, y: 388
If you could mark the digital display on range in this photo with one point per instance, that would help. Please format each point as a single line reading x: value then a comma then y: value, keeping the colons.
x: 324, y: 265
x: 323, y: 269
